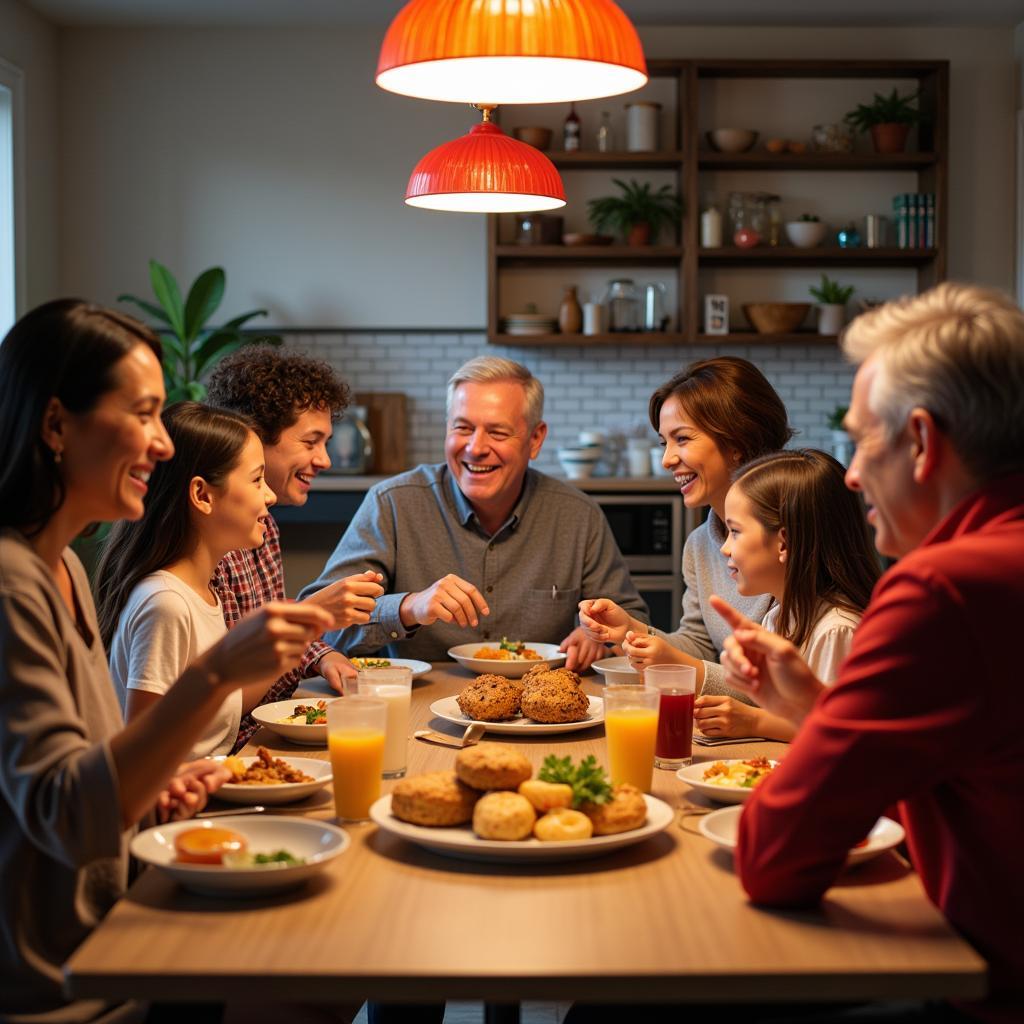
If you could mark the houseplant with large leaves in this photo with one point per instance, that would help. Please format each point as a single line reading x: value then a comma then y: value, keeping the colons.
x: 191, y: 347
x: 638, y: 212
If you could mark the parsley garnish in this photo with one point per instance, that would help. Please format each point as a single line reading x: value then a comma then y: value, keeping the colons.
x: 588, y: 780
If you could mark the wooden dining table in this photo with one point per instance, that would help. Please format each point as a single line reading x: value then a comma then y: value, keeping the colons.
x: 664, y: 920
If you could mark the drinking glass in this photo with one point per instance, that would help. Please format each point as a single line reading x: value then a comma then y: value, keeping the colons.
x: 631, y: 728
x: 676, y: 684
x: 355, y: 738
x: 394, y: 687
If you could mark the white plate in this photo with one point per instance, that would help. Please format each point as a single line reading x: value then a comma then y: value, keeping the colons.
x: 283, y: 792
x: 419, y: 668
x: 721, y: 827
x: 448, y: 709
x: 617, y: 670
x: 270, y: 715
x: 693, y: 775
x: 550, y: 655
x: 459, y: 841
x: 316, y: 841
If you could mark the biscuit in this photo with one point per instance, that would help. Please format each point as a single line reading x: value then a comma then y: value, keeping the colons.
x: 563, y: 825
x: 557, y: 701
x: 437, y: 798
x: 540, y: 674
x: 626, y: 810
x: 505, y: 816
x: 546, y: 796
x: 491, y: 698
x: 492, y: 766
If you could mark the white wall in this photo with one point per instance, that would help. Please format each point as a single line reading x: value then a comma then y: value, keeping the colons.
x: 30, y: 44
x: 272, y: 153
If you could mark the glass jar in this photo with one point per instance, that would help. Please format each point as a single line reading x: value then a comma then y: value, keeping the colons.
x: 774, y: 219
x: 622, y: 302
x: 831, y: 138
x: 758, y: 219
x: 738, y: 217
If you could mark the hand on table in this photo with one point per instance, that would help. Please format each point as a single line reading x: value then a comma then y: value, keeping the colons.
x: 188, y: 790
x: 580, y: 650
x: 450, y: 599
x: 604, y: 621
x: 766, y: 666
x: 336, y: 669
x: 719, y: 715
x: 350, y: 600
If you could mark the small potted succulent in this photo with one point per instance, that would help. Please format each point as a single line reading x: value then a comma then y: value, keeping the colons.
x: 638, y: 214
x: 832, y: 299
x: 888, y: 119
x: 841, y: 447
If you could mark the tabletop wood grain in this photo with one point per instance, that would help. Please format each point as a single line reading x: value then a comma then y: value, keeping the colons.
x: 666, y: 919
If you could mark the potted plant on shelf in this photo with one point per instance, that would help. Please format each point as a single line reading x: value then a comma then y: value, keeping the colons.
x: 887, y: 118
x: 639, y: 213
x: 190, y: 347
x: 832, y: 299
x: 840, y: 438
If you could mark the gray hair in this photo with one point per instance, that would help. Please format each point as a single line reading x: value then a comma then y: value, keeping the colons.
x: 957, y: 351
x: 490, y: 370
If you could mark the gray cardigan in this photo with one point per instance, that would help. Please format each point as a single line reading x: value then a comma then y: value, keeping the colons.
x: 702, y: 631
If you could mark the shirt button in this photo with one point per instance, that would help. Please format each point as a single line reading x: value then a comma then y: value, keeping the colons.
x: 490, y: 547
x: 394, y: 636
x: 489, y: 589
x: 487, y: 634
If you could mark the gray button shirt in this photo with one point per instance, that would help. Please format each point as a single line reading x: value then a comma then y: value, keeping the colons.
x: 554, y: 550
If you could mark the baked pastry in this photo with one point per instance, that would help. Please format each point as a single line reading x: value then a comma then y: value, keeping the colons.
x: 492, y: 766
x: 540, y: 674
x: 505, y: 816
x: 491, y: 698
x: 546, y: 796
x: 563, y: 825
x: 437, y: 798
x: 626, y: 810
x: 556, y: 701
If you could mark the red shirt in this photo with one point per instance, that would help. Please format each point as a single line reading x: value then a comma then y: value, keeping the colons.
x: 928, y: 711
x: 245, y: 580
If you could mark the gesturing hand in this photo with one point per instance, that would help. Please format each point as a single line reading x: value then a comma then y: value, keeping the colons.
x: 450, y: 599
x: 188, y: 790
x: 580, y: 651
x: 766, y: 666
x: 604, y: 621
x: 351, y: 599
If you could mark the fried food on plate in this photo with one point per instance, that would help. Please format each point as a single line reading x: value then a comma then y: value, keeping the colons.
x: 505, y: 816
x: 541, y: 674
x: 626, y: 811
x: 546, y: 796
x: 266, y: 770
x: 557, y: 701
x: 433, y: 799
x: 492, y: 766
x: 491, y: 698
x: 562, y: 825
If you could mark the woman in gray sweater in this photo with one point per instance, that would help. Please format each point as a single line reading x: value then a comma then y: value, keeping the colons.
x: 81, y: 389
x: 711, y: 418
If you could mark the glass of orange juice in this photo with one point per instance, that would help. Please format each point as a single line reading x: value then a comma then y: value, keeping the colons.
x: 631, y: 730
x: 355, y: 738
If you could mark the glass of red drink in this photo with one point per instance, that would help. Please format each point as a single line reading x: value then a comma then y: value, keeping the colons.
x: 676, y: 683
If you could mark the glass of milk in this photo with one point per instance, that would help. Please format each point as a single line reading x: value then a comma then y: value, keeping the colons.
x: 393, y: 686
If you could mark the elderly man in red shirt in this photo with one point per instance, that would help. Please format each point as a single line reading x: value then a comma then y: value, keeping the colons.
x: 937, y: 414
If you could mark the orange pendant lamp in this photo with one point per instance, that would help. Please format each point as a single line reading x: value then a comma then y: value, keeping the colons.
x: 485, y: 172
x: 511, y: 51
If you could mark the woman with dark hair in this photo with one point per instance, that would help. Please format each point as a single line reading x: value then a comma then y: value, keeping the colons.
x: 157, y: 608
x: 81, y: 390
x: 711, y: 418
x: 797, y: 533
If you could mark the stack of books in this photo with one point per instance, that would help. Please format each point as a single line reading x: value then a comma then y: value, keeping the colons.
x: 914, y: 217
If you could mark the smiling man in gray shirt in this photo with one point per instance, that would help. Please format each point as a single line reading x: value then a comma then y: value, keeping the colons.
x: 481, y: 546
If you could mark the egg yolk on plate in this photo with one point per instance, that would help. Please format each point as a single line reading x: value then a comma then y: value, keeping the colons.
x: 207, y: 845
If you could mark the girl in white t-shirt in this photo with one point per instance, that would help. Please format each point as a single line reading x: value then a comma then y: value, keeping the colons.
x: 157, y: 609
x: 795, y: 532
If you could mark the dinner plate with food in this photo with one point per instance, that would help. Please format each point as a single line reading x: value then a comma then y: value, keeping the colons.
x: 491, y: 808
x: 511, y: 658
x: 240, y: 855
x: 265, y: 779
x: 722, y: 827
x: 730, y: 781
x: 299, y: 720
x: 544, y: 700
x: 419, y: 668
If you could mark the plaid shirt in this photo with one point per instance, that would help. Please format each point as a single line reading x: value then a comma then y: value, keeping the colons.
x: 245, y: 580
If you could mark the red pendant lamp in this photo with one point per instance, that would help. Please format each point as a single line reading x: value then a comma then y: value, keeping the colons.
x: 511, y: 51
x: 485, y: 172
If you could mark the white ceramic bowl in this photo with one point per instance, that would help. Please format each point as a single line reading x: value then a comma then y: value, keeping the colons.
x: 732, y: 140
x: 806, y: 234
x: 722, y: 827
x: 617, y: 670
x: 550, y: 655
x: 316, y: 842
x: 272, y: 715
x: 579, y: 463
x: 281, y: 792
x: 693, y: 775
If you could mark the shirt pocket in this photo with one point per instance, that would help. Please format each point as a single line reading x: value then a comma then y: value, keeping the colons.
x: 549, y: 614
